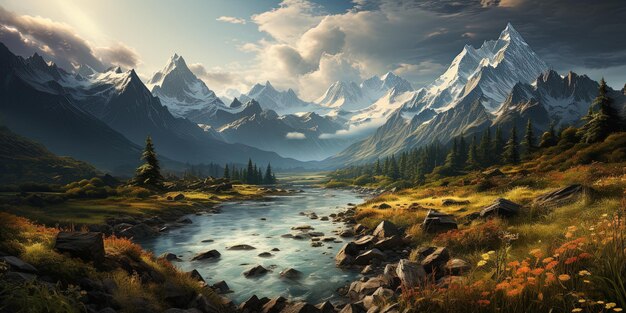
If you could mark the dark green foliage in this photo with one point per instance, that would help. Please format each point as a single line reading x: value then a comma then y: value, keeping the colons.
x: 511, y: 151
x: 473, y: 161
x: 251, y: 174
x: 529, y: 139
x: 149, y: 173
x: 602, y: 123
x: 497, y: 147
x: 226, y: 172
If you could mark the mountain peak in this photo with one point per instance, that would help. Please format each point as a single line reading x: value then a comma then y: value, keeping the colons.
x: 509, y: 34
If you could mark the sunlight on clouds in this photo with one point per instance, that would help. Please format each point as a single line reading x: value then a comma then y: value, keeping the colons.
x: 231, y: 19
x: 295, y: 135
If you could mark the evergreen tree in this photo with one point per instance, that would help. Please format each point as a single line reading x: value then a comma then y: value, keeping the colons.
x: 226, y: 172
x: 149, y: 173
x: 250, y: 173
x: 377, y: 169
x: 498, y: 146
x: 473, y: 161
x: 462, y: 152
x: 453, y: 157
x: 484, y: 153
x: 269, y: 177
x: 394, y: 169
x: 529, y: 139
x: 601, y: 124
x: 511, y: 151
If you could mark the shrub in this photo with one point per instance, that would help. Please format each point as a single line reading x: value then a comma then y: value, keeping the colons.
x: 134, y: 192
x: 478, y: 237
x: 336, y: 184
x: 364, y: 180
x: 56, y: 265
x: 122, y: 247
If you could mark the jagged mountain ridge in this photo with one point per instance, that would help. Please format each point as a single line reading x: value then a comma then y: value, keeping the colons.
x: 128, y: 110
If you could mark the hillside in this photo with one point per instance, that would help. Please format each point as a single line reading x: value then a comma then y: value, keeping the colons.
x: 22, y: 161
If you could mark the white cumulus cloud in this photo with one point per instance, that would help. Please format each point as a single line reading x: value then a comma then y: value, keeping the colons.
x: 231, y: 19
x: 295, y: 135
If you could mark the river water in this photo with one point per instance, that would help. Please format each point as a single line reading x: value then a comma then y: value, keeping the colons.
x: 241, y: 223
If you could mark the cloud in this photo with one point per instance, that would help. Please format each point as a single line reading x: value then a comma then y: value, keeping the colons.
x: 295, y: 135
x: 306, y: 47
x: 60, y: 43
x: 220, y: 80
x: 231, y: 19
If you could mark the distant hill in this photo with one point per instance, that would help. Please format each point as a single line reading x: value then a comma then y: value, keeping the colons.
x: 23, y: 160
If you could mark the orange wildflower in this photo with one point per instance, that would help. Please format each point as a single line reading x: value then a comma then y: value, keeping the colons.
x: 552, y: 265
x: 585, y: 255
x: 564, y: 277
x: 537, y: 271
x: 547, y: 260
x: 514, y: 264
x: 484, y: 302
x: 523, y: 270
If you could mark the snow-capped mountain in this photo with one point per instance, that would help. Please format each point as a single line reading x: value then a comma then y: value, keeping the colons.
x: 503, y: 83
x: 282, y: 102
x: 105, y: 117
x: 494, y: 69
x: 181, y: 91
x: 348, y: 96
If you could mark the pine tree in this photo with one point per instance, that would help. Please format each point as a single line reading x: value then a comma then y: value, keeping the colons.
x: 149, y: 173
x: 250, y: 173
x: 269, y: 177
x: 529, y: 139
x: 377, y: 169
x: 498, y: 146
x: 601, y: 124
x: 226, y: 172
x: 462, y: 152
x: 394, y: 172
x: 511, y: 151
x: 472, y: 156
x: 484, y: 153
x: 453, y: 157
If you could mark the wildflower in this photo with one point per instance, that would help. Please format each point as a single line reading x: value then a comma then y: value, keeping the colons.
x: 600, y: 302
x: 481, y: 263
x: 540, y: 296
x: 552, y: 265
x: 610, y: 305
x: 571, y: 260
x: 514, y: 264
x: 550, y: 278
x: 484, y: 302
x: 572, y: 228
x: 485, y: 256
x: 547, y: 260
x: 617, y: 309
x: 515, y: 291
x: 536, y: 253
x: 569, y: 235
x: 564, y: 277
x: 485, y: 293
x: 577, y: 310
x: 585, y: 255
x: 537, y: 271
x: 584, y: 273
x: 582, y: 300
x: 491, y: 252
x: 586, y: 281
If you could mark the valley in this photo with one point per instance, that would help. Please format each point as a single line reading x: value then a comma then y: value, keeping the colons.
x: 310, y: 156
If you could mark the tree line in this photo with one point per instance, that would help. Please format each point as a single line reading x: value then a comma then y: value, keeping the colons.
x: 252, y: 174
x: 489, y: 148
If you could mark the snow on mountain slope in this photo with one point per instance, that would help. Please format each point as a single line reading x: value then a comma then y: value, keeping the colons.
x: 180, y: 90
x: 494, y: 68
x: 348, y: 96
x: 282, y: 102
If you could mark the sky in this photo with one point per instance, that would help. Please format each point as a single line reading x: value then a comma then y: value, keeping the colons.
x: 309, y: 44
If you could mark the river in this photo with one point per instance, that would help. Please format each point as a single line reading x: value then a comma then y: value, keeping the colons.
x: 242, y: 223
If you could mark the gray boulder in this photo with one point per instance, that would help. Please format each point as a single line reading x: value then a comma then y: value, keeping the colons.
x: 437, y: 222
x: 501, y: 207
x: 241, y: 247
x: 366, y: 257
x: 436, y: 260
x: 17, y: 264
x: 411, y: 274
x: 209, y: 255
x: 255, y: 272
x: 386, y: 229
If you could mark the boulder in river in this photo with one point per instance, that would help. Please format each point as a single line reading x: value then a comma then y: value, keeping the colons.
x: 275, y: 305
x: 209, y: 255
x: 346, y: 254
x: 291, y: 273
x: 221, y: 287
x: 255, y: 271
x: 241, y: 247
x: 169, y: 256
x: 265, y: 255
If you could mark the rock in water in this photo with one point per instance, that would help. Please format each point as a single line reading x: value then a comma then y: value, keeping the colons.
x: 86, y: 246
x: 255, y: 271
x: 211, y: 254
x: 241, y: 247
x: 291, y: 273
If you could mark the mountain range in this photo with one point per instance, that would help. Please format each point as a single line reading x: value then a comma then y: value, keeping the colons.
x: 503, y: 83
x: 104, y: 117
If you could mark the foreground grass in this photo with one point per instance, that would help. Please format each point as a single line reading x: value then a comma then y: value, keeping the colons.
x: 34, y: 244
x: 567, y: 258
